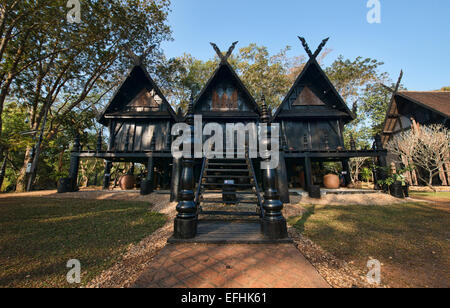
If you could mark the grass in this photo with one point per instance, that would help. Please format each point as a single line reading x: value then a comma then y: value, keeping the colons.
x: 38, y: 236
x: 439, y: 195
x: 410, y: 240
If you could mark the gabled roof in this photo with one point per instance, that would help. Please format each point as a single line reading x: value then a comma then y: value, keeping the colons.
x: 134, y: 75
x: 225, y: 65
x: 312, y: 66
x: 437, y: 101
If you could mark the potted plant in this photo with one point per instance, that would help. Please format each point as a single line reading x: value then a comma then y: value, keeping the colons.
x: 396, y: 184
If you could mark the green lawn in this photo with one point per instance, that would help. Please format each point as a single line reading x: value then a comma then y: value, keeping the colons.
x: 411, y: 240
x: 439, y: 195
x: 38, y: 236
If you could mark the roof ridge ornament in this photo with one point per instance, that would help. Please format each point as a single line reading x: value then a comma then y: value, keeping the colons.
x: 318, y: 50
x: 397, y: 85
x: 265, y: 118
x: 223, y: 58
x: 138, y: 60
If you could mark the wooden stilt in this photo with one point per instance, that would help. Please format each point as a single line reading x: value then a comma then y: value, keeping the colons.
x: 147, y: 186
x: 107, y: 177
x: 308, y: 173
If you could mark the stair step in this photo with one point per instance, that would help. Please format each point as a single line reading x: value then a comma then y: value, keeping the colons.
x: 232, y: 185
x: 228, y: 164
x: 227, y: 176
x: 223, y: 202
x: 227, y: 170
x: 218, y: 192
x: 223, y: 213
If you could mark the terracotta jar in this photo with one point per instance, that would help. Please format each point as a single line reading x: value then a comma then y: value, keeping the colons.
x: 127, y: 182
x: 331, y: 181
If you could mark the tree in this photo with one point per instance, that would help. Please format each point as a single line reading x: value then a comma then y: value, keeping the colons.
x: 84, y: 60
x: 264, y: 73
x: 446, y: 89
x: 355, y: 167
x: 357, y: 81
x: 182, y: 77
x: 259, y: 71
x: 427, y: 148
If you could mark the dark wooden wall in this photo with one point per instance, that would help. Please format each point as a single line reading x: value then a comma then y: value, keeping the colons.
x: 141, y: 136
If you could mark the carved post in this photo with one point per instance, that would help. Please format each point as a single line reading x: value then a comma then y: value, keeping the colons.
x: 352, y: 143
x: 186, y: 220
x: 273, y: 224
x: 107, y: 177
x: 99, y: 141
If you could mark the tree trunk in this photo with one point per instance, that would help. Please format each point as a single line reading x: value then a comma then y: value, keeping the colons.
x: 21, y: 184
x: 430, y: 182
x: 2, y: 172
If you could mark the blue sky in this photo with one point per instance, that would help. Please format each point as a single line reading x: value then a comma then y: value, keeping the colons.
x: 413, y: 35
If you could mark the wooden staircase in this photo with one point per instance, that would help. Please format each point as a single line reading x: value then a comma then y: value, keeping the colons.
x: 211, y: 199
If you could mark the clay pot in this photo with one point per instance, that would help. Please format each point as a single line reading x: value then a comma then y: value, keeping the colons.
x: 127, y: 182
x: 331, y: 181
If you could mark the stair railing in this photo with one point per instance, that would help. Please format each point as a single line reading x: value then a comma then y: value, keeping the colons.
x: 258, y: 191
x: 199, y: 187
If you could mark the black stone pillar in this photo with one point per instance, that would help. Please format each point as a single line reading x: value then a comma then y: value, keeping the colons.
x: 107, y: 177
x: 176, y: 178
x: 273, y: 225
x: 186, y: 220
x: 283, y: 185
x: 147, y: 184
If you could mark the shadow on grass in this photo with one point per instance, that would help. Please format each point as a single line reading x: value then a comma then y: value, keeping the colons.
x: 38, y: 236
x: 410, y: 238
x: 300, y: 224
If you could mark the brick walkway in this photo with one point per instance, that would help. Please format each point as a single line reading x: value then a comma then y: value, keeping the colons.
x: 230, y: 266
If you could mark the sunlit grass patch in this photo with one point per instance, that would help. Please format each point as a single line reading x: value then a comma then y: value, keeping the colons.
x: 410, y: 239
x: 38, y: 236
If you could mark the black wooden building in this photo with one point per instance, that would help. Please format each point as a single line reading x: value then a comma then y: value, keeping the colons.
x: 311, y: 118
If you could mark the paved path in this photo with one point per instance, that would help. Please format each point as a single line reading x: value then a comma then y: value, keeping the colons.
x: 230, y: 266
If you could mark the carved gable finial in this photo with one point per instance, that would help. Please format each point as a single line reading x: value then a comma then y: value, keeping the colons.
x: 222, y: 57
x: 321, y: 46
x: 138, y: 60
x: 318, y: 50
x: 305, y: 46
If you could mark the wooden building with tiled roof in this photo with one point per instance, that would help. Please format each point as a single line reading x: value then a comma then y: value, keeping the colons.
x: 410, y: 108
